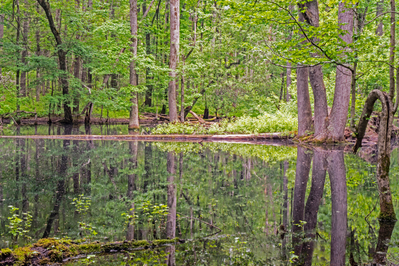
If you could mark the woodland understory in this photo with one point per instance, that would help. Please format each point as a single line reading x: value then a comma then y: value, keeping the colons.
x: 213, y: 63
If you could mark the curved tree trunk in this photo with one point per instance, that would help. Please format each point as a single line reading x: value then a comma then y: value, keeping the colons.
x: 62, y: 61
x: 387, y: 211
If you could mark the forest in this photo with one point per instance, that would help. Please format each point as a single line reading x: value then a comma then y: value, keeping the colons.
x: 313, y: 63
x: 197, y: 132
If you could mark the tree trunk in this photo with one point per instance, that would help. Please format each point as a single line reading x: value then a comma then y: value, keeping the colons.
x: 384, y: 237
x: 353, y: 95
x: 339, y: 112
x: 25, y: 32
x: 62, y: 61
x: 38, y: 85
x: 392, y: 54
x: 134, y: 111
x: 76, y: 71
x: 311, y: 16
x: 380, y: 9
x: 174, y: 57
x: 288, y: 82
x: 303, y: 101
x: 387, y: 211
x: 148, y: 93
x: 1, y: 36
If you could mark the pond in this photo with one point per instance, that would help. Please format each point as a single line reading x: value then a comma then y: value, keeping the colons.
x: 229, y: 204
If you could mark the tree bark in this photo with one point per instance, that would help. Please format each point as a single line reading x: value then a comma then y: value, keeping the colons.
x: 148, y: 93
x: 339, y: 112
x: 380, y: 9
x: 38, y: 85
x: 24, y: 54
x: 134, y: 111
x: 174, y: 57
x: 384, y: 237
x: 311, y: 16
x: 353, y: 95
x: 1, y: 36
x: 76, y: 72
x: 62, y: 61
x: 303, y: 99
x: 392, y: 53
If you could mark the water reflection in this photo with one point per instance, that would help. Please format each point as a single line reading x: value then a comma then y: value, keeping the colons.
x: 239, y: 204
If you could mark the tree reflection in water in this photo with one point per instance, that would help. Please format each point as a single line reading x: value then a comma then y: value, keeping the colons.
x: 245, y: 190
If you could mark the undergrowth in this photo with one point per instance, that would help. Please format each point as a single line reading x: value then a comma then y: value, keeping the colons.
x: 266, y: 123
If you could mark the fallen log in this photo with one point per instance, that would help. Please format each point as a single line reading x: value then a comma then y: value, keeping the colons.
x: 197, y: 117
x: 48, y: 250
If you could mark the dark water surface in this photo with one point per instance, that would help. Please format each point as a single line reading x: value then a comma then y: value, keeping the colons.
x: 234, y: 204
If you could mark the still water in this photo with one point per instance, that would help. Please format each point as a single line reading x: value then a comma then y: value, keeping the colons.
x: 233, y: 204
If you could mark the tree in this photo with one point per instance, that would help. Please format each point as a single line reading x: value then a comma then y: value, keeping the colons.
x: 62, y: 61
x: 174, y: 57
x: 133, y: 78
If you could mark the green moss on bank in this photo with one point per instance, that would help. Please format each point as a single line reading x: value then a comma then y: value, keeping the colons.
x: 49, y: 250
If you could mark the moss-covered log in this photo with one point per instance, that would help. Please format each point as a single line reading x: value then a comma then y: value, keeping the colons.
x: 48, y: 251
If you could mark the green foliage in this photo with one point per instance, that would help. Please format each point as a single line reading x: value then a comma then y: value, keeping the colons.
x: 82, y: 204
x: 19, y: 227
x: 266, y: 123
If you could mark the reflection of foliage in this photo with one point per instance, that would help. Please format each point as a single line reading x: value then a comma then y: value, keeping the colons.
x: 82, y: 205
x: 265, y: 152
x: 17, y: 226
x: 236, y: 187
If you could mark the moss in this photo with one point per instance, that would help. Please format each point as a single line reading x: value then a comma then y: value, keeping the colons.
x: 51, y: 243
x: 22, y: 255
x: 165, y: 241
x: 86, y: 248
x: 55, y: 255
x: 387, y: 216
x: 44, y: 261
x: 58, y: 249
x: 5, y: 253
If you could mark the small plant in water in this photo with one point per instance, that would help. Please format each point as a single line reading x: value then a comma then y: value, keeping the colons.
x: 82, y: 205
x: 19, y: 227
